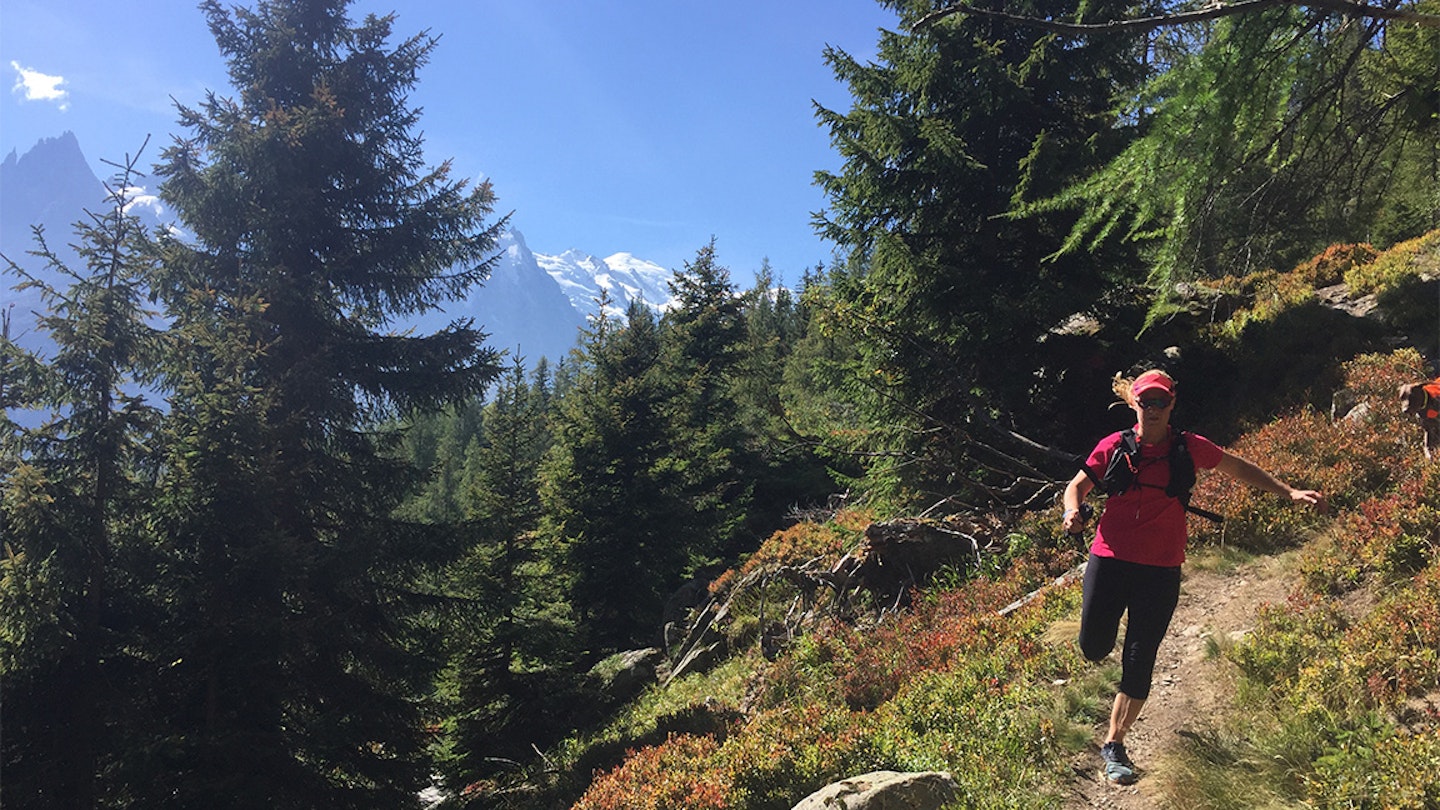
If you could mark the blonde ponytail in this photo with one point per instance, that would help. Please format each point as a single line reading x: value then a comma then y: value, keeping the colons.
x: 1121, y: 386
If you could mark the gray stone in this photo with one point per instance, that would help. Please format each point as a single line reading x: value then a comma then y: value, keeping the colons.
x: 884, y: 790
x: 626, y: 674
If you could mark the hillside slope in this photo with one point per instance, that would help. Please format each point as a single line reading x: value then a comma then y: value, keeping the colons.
x: 1300, y: 669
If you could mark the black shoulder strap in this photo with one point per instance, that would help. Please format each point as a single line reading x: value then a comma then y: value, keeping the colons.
x: 1120, y: 472
x: 1129, y: 441
x: 1182, y: 478
x: 1182, y: 469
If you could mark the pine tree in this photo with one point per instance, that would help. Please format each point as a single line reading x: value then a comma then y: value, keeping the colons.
x: 312, y: 226
x: 943, y: 295
x: 703, y: 336
x: 70, y: 585
x: 439, y: 443
x: 608, y: 490
x: 511, y: 644
x: 787, y: 471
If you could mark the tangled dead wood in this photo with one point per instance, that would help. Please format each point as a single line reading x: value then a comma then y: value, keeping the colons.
x: 774, y: 605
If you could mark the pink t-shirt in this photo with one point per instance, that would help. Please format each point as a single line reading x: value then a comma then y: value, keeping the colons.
x: 1144, y: 525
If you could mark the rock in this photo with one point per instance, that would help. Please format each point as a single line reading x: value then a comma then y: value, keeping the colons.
x: 1338, y: 296
x: 626, y: 674
x: 698, y: 658
x: 884, y: 790
x: 1360, y: 413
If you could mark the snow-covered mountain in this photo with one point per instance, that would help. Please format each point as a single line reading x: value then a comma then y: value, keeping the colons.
x: 535, y: 304
x: 532, y: 304
x: 624, y: 277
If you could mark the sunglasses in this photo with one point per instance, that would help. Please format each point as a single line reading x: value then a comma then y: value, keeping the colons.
x: 1156, y: 403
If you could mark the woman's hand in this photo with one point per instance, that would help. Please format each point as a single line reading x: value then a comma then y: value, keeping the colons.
x: 1076, y: 513
x: 1311, y: 497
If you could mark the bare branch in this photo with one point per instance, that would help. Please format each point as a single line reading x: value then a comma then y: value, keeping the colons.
x: 1211, y: 12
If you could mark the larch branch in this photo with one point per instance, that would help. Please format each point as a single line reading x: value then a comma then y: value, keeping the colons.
x: 1211, y: 12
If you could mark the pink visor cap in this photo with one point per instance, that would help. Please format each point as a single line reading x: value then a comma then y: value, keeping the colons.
x: 1152, y: 381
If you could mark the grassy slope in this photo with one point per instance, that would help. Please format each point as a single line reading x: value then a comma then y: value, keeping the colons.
x: 1338, y: 685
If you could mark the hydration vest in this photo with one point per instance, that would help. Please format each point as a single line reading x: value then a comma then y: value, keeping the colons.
x: 1120, y: 475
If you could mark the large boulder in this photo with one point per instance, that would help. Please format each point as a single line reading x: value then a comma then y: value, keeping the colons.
x: 624, y: 675
x: 884, y: 790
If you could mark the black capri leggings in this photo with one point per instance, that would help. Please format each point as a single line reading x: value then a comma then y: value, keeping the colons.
x: 1150, y: 593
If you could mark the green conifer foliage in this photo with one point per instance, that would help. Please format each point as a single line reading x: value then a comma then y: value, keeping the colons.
x: 510, y: 646
x: 1279, y: 132
x: 609, y: 490
x: 69, y: 592
x: 712, y: 455
x: 310, y: 226
x: 786, y: 471
x: 944, y: 297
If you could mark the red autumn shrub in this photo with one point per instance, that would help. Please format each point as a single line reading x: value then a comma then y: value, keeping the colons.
x: 1361, y: 453
x: 1331, y: 265
x: 678, y: 774
x: 807, y: 540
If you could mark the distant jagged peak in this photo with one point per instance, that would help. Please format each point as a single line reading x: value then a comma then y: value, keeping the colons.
x: 60, y: 156
x: 512, y: 242
x: 64, y: 142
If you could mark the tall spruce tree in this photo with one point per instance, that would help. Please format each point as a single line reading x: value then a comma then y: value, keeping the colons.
x: 510, y: 643
x: 787, y: 472
x: 609, y: 490
x: 70, y: 588
x: 943, y: 296
x: 311, y: 225
x: 703, y: 335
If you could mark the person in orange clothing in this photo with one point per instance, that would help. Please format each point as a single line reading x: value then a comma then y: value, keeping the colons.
x: 1139, y: 543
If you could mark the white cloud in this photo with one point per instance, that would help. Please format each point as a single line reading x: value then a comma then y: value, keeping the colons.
x: 139, y: 202
x: 37, y: 86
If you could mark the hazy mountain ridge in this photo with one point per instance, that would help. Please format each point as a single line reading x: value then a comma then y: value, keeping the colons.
x: 49, y: 187
x: 533, y: 304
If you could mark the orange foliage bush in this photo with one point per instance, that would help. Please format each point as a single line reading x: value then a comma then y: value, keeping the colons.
x: 806, y: 541
x: 1351, y: 459
x: 675, y: 775
x: 1334, y: 262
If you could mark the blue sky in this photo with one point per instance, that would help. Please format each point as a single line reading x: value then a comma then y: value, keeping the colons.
x: 644, y: 126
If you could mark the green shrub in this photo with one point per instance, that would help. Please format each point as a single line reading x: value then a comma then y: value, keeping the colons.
x: 785, y: 754
x: 1390, y: 771
x: 1286, y: 639
x: 1404, y: 261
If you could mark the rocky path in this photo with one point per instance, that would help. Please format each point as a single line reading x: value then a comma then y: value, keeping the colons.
x: 1190, y: 686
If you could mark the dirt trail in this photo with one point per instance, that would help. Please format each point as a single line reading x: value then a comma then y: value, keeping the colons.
x: 1189, y: 686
